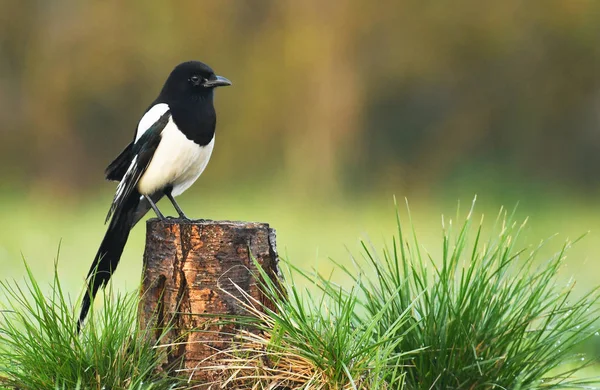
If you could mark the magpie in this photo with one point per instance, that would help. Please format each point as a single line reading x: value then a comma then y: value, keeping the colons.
x: 171, y: 148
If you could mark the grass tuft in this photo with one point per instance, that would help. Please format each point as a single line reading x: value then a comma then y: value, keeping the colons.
x: 487, y: 314
x: 300, y: 341
x: 40, y: 349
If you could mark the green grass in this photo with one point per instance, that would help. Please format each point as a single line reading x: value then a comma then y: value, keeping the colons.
x: 488, y: 313
x: 313, y: 342
x: 483, y: 310
x: 40, y: 348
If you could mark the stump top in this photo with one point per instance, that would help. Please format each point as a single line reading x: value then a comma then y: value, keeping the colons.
x: 208, y: 222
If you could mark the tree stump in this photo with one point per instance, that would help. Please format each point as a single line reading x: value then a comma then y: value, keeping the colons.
x: 188, y: 266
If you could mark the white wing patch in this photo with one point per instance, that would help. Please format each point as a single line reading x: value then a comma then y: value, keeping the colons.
x: 121, y: 185
x: 121, y: 188
x: 150, y: 118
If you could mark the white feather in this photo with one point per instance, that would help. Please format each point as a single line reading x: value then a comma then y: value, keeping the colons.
x: 177, y: 161
x: 121, y: 185
x: 150, y: 118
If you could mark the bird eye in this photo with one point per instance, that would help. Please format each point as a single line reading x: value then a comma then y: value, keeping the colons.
x: 195, y: 80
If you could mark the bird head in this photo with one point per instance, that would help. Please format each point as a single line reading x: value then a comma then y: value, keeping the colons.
x: 192, y: 79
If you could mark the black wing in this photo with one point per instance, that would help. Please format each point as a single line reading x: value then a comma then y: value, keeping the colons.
x: 117, y: 169
x: 142, y: 151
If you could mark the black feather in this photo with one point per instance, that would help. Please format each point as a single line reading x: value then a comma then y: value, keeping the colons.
x: 108, y: 255
x: 117, y: 169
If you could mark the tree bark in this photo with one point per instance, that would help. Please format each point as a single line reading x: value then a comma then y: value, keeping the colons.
x: 190, y: 268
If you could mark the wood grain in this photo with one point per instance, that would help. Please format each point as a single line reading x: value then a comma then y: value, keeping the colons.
x: 188, y: 266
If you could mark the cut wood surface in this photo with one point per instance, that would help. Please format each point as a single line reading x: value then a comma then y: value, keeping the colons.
x: 188, y: 266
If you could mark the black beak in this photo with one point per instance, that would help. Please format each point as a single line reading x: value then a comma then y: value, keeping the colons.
x: 217, y: 82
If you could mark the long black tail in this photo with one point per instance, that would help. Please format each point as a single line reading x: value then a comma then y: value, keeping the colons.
x: 110, y: 251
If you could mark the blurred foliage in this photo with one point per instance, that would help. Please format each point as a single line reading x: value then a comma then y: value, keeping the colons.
x: 338, y: 95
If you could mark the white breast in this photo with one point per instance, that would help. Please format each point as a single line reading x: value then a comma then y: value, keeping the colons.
x: 177, y: 161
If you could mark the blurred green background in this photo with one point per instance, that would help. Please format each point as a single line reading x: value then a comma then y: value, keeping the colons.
x: 335, y: 107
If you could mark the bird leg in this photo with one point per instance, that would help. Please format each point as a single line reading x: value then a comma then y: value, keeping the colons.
x: 179, y: 211
x: 155, y: 208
